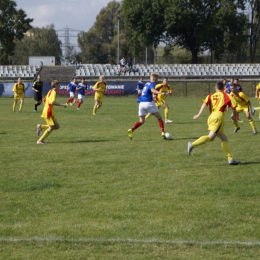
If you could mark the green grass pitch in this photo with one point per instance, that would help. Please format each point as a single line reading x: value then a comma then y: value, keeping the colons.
x: 91, y: 193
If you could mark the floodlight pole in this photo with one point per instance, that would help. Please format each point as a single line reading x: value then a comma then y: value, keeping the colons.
x: 118, y: 36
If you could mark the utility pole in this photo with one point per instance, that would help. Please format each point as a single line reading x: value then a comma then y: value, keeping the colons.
x: 118, y: 36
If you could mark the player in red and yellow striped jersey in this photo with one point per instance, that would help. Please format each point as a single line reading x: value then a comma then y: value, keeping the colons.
x: 48, y: 113
x: 160, y: 99
x: 99, y: 88
x: 257, y: 95
x: 217, y: 104
x: 243, y: 104
x: 18, y: 90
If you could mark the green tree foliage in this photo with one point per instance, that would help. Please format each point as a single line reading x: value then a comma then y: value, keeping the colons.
x: 254, y: 28
x: 145, y: 21
x: 195, y: 25
x: 99, y: 44
x: 13, y: 24
x: 37, y: 42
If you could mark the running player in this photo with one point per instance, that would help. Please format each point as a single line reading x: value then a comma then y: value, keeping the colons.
x: 140, y: 86
x: 243, y: 104
x: 49, y: 114
x: 19, y: 90
x: 257, y: 95
x: 37, y: 88
x: 82, y: 86
x: 99, y: 88
x: 147, y: 105
x: 160, y: 99
x: 72, y: 88
x: 217, y: 103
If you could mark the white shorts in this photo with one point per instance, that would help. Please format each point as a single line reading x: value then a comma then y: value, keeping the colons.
x: 80, y: 97
x: 147, y: 107
x: 72, y: 94
x: 139, y: 91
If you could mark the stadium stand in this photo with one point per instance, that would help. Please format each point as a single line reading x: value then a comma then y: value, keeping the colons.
x: 185, y: 71
x: 173, y: 70
x: 23, y: 71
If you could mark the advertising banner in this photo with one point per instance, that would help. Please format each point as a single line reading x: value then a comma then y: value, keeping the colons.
x: 113, y: 88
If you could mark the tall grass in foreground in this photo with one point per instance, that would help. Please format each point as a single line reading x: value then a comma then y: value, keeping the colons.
x: 90, y: 193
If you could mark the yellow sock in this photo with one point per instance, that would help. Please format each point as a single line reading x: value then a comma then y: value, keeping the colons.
x: 148, y: 115
x: 45, y: 135
x: 257, y: 108
x: 14, y: 106
x: 235, y: 124
x: 94, y: 109
x: 202, y: 140
x: 21, y: 106
x: 252, y: 123
x: 225, y: 148
x: 166, y: 113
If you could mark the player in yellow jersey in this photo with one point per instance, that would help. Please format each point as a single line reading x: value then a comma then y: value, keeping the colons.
x: 99, y: 88
x: 48, y: 113
x: 217, y: 103
x: 257, y: 95
x: 160, y: 100
x: 19, y: 90
x: 243, y: 104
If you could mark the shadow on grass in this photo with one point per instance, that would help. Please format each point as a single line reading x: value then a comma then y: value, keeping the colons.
x: 186, y: 138
x: 3, y: 133
x: 248, y: 163
x: 89, y: 141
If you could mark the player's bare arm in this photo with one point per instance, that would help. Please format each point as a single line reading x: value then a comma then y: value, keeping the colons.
x: 256, y: 93
x: 58, y: 104
x: 157, y: 92
x: 203, y: 106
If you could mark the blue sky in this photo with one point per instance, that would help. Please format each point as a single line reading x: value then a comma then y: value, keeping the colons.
x: 74, y: 14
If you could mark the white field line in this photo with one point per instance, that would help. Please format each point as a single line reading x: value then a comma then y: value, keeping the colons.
x: 129, y: 240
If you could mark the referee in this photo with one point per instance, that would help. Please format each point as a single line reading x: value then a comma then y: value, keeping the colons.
x: 37, y: 88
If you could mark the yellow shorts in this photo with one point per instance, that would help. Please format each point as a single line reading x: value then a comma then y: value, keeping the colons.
x: 216, y: 123
x: 159, y: 103
x: 99, y: 97
x: 241, y: 109
x: 18, y: 97
x: 51, y: 120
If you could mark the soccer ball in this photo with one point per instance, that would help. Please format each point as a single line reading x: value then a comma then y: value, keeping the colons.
x: 168, y: 136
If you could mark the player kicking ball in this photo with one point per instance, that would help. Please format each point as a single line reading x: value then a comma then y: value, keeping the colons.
x: 147, y: 105
x: 217, y: 103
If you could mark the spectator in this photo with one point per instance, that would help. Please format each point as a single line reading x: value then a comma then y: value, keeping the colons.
x: 130, y: 62
x: 135, y: 69
x: 79, y: 65
x: 123, y: 62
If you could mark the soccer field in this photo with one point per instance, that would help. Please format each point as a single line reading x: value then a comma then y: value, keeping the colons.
x: 91, y: 193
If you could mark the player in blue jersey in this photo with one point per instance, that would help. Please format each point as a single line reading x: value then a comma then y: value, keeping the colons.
x: 72, y: 88
x: 147, y: 105
x: 82, y: 86
x: 140, y: 86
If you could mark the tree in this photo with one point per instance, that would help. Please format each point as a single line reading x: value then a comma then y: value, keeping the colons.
x: 146, y: 22
x: 195, y: 25
x: 13, y: 25
x: 99, y: 44
x: 37, y: 42
x: 254, y: 27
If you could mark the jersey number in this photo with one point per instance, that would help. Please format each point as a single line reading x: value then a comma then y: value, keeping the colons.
x: 143, y: 90
x: 216, y: 101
